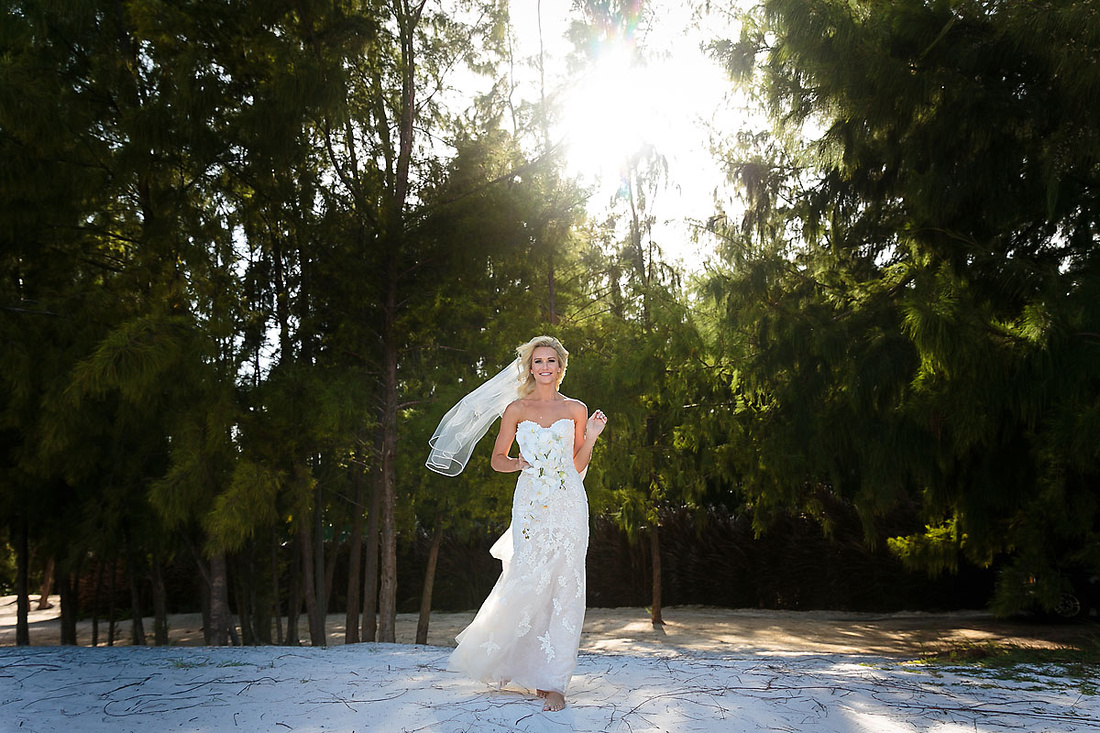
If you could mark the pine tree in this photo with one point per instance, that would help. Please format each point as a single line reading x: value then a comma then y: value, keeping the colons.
x: 909, y: 289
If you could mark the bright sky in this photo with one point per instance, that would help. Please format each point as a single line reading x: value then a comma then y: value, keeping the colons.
x: 671, y: 100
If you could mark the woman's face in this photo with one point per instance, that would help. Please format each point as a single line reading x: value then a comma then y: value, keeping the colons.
x: 545, y: 365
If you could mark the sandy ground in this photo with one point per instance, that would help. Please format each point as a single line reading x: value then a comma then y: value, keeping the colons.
x: 694, y: 629
x: 708, y: 670
x: 406, y: 688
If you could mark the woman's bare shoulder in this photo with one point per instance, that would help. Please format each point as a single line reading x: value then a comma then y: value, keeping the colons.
x: 516, y: 409
x: 577, y: 408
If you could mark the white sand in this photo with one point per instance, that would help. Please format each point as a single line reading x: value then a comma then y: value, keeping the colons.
x: 400, y: 687
x: 628, y: 631
x: 751, y: 676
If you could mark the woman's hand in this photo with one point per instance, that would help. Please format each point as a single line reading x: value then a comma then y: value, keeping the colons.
x: 521, y: 463
x: 596, y: 423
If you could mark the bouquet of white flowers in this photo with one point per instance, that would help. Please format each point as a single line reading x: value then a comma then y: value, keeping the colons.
x: 549, y: 454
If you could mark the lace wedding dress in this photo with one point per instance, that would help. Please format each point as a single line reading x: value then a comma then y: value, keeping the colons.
x: 528, y: 629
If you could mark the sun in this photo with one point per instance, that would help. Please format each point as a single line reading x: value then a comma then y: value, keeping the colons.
x: 625, y: 106
x: 606, y: 117
x: 656, y: 96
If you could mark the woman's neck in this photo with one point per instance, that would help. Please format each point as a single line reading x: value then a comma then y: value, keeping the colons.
x: 545, y: 393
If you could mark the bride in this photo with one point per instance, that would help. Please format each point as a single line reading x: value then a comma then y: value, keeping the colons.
x: 528, y: 629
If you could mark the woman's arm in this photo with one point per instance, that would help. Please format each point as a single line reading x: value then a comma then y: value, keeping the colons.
x: 587, y: 433
x: 507, y: 435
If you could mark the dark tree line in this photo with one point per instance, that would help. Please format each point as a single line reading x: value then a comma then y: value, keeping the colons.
x: 251, y: 252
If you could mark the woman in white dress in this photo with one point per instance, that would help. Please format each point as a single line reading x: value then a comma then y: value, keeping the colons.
x: 528, y: 630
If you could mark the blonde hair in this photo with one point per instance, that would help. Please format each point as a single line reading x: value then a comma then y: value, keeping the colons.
x: 526, y: 354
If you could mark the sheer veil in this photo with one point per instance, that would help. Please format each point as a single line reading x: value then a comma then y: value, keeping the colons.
x: 465, y: 423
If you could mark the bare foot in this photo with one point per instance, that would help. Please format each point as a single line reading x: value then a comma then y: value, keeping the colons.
x: 555, y: 701
x: 541, y: 693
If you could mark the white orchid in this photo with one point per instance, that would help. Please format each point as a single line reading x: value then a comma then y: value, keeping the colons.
x: 547, y: 452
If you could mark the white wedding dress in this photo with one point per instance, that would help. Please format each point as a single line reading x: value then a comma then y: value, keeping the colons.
x: 528, y: 630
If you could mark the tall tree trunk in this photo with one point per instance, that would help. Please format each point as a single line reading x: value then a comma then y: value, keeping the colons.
x: 66, y: 585
x: 655, y: 561
x: 408, y: 14
x: 259, y: 595
x: 318, y: 588
x: 429, y: 582
x: 355, y: 558
x: 294, y: 602
x: 219, y: 602
x: 22, y: 589
x: 370, y: 567
x: 97, y: 593
x: 111, y: 603
x: 160, y: 604
x: 47, y: 585
x: 316, y: 623
x: 276, y: 610
x: 204, y: 603
x: 544, y: 230
x: 244, y: 613
x: 137, y: 626
x: 387, y: 597
x: 333, y: 556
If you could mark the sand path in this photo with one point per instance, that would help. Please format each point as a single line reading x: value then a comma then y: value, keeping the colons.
x: 687, y: 629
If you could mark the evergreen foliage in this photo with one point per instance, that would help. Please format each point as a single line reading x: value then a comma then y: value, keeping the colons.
x: 914, y: 287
